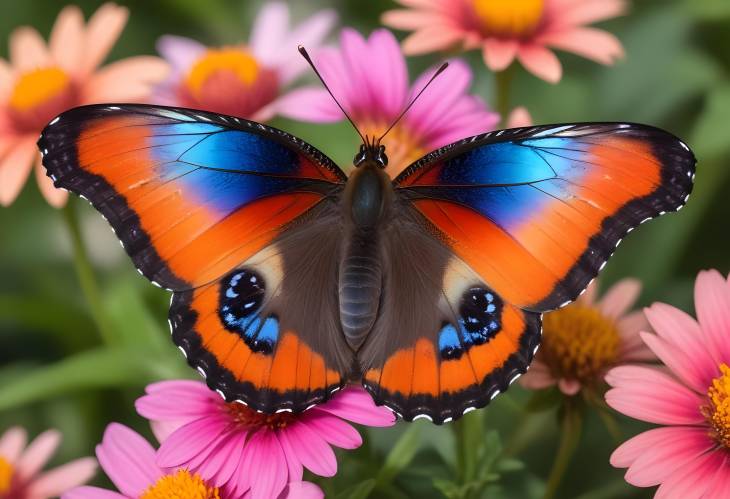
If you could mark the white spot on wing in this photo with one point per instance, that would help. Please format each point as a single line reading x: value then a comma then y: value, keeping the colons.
x: 422, y: 416
x: 55, y: 120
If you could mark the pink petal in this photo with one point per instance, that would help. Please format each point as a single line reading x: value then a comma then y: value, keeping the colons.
x: 311, y: 449
x: 102, y: 32
x: 310, y: 34
x: 538, y: 377
x: 499, y: 53
x: 541, y: 62
x: 301, y: 490
x: 678, y: 361
x: 632, y: 348
x: 650, y: 395
x: 220, y: 465
x: 293, y: 464
x: 67, y: 38
x: 309, y: 104
x: 356, y: 50
x: 15, y: 167
x: 179, y: 51
x: 694, y: 478
x: 721, y: 483
x: 91, y: 493
x: 55, y: 197
x: 182, y: 388
x: 163, y: 429
x: 590, y: 295
x: 519, y: 117
x: 38, y: 453
x: 334, y: 430
x: 6, y: 83
x: 190, y: 440
x: 27, y: 49
x: 712, y: 302
x: 591, y: 43
x: 264, y: 462
x: 670, y: 451
x: 628, y: 452
x: 128, y: 460
x: 12, y: 443
x: 126, y: 80
x: 569, y: 386
x: 431, y: 39
x: 389, y: 93
x: 166, y: 405
x: 574, y: 13
x: 356, y: 405
x: 619, y: 298
x: 57, y: 481
x: 269, y: 30
x: 410, y: 20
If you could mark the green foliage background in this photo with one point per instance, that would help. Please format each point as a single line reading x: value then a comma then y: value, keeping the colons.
x: 55, y: 371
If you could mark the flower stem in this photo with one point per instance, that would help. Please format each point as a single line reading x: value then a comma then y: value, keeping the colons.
x: 502, y: 87
x: 85, y: 273
x: 570, y: 431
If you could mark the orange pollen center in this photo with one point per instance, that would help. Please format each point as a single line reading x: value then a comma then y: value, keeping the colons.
x: 509, y: 18
x: 579, y: 342
x: 6, y: 475
x: 248, y: 418
x: 401, y: 145
x: 717, y: 411
x: 38, y: 87
x: 181, y: 485
x: 236, y: 61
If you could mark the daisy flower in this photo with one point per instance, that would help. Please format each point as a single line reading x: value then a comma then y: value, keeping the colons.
x: 582, y: 341
x: 129, y: 462
x: 508, y: 29
x: 370, y: 79
x: 40, y: 81
x: 20, y: 467
x: 244, y: 80
x: 690, y: 455
x: 236, y: 448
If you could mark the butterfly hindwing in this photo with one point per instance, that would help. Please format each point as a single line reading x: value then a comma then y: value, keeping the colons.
x: 537, y: 211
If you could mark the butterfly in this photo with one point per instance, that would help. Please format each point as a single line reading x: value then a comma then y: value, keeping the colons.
x: 291, y: 279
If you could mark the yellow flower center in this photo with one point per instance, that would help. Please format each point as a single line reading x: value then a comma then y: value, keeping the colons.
x: 248, y: 418
x: 401, y: 146
x: 717, y: 411
x: 509, y: 18
x: 231, y: 60
x: 181, y: 485
x: 38, y: 87
x: 579, y: 343
x: 6, y: 475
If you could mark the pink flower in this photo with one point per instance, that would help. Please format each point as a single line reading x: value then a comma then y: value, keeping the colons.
x: 507, y: 29
x: 370, y: 79
x: 20, y: 467
x: 582, y: 341
x: 129, y: 462
x: 239, y: 449
x: 242, y: 80
x: 690, y: 455
x: 42, y: 80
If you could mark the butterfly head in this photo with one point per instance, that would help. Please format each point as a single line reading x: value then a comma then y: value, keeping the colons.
x: 371, y: 152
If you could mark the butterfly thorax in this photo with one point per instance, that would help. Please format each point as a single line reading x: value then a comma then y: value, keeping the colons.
x: 366, y: 203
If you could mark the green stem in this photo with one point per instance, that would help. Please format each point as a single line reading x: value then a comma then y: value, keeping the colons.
x: 502, y: 87
x: 569, y: 436
x: 85, y: 273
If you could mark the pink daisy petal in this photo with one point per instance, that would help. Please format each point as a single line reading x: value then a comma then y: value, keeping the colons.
x: 683, y: 366
x: 179, y: 51
x: 309, y: 104
x: 294, y: 465
x: 312, y: 450
x: 182, y: 388
x: 219, y: 467
x: 712, y: 302
x: 619, y: 298
x: 57, y: 481
x: 591, y: 43
x: 55, y: 197
x: 633, y: 349
x: 269, y: 30
x: 356, y: 405
x: 102, y: 32
x: 165, y: 404
x: 92, y: 493
x: 628, y: 452
x: 27, y: 49
x: 67, y: 38
x: 498, y: 54
x: 163, y: 429
x: 12, y: 443
x: 540, y: 61
x: 430, y: 39
x: 310, y: 33
x: 590, y: 296
x: 650, y: 395
x: 38, y: 453
x: 15, y: 167
x: 334, y: 430
x: 390, y: 93
x: 573, y: 13
x: 693, y: 480
x: 538, y: 377
x: 410, y: 19
x: 519, y: 117
x: 189, y: 441
x: 721, y: 483
x: 264, y: 462
x: 128, y: 80
x: 128, y: 460
x: 569, y: 386
x: 302, y: 490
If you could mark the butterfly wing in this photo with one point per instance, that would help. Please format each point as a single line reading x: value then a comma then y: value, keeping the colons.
x: 221, y: 211
x: 495, y: 230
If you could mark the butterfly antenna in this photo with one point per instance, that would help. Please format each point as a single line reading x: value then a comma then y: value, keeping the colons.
x: 438, y: 72
x: 305, y: 54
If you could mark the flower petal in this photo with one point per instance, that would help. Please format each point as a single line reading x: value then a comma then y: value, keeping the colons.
x: 128, y: 460
x: 628, y: 452
x: 310, y: 34
x: 309, y: 104
x: 632, y: 348
x: 15, y: 167
x: 591, y: 43
x: 389, y: 93
x: 569, y: 386
x: 55, y: 197
x: 431, y: 39
x: 264, y: 462
x: 102, y: 32
x: 12, y: 443
x: 269, y: 30
x: 721, y: 483
x: 574, y: 13
x: 311, y: 449
x: 302, y: 490
x: 712, y: 302
x: 694, y: 478
x: 57, y: 481
x: 91, y: 493
x: 410, y: 20
x: 166, y: 405
x: 38, y: 453
x: 356, y: 405
x: 128, y: 80
x: 650, y: 395
x: 334, y: 430
x: 27, y: 49
x: 179, y: 51
x: 67, y: 38
x: 220, y: 465
x: 499, y: 53
x: 677, y: 361
x: 541, y: 62
x: 519, y: 117
x: 538, y: 376
x: 619, y: 298
x: 190, y: 440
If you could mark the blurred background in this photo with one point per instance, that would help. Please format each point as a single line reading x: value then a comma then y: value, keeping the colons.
x: 54, y: 372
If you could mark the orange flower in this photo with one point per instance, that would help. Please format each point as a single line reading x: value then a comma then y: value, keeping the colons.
x: 41, y: 80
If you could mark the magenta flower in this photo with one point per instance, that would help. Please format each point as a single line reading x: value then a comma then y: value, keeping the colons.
x: 582, y: 341
x: 690, y: 455
x: 41, y: 80
x: 370, y: 79
x: 130, y: 463
x: 505, y: 30
x: 242, y: 80
x: 241, y: 450
x: 20, y: 467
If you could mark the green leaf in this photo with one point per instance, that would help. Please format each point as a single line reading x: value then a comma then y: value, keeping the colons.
x: 543, y: 400
x: 132, y: 321
x: 447, y: 488
x: 401, y: 454
x: 358, y: 491
x: 508, y: 465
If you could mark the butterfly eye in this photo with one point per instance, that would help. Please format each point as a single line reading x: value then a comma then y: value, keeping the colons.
x: 360, y: 156
x: 382, y: 158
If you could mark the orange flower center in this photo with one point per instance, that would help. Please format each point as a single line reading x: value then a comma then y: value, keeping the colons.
x: 39, y: 86
x: 248, y: 418
x: 6, y: 476
x: 579, y: 343
x: 181, y: 485
x: 509, y: 18
x: 231, y: 60
x: 717, y: 411
x: 402, y: 146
